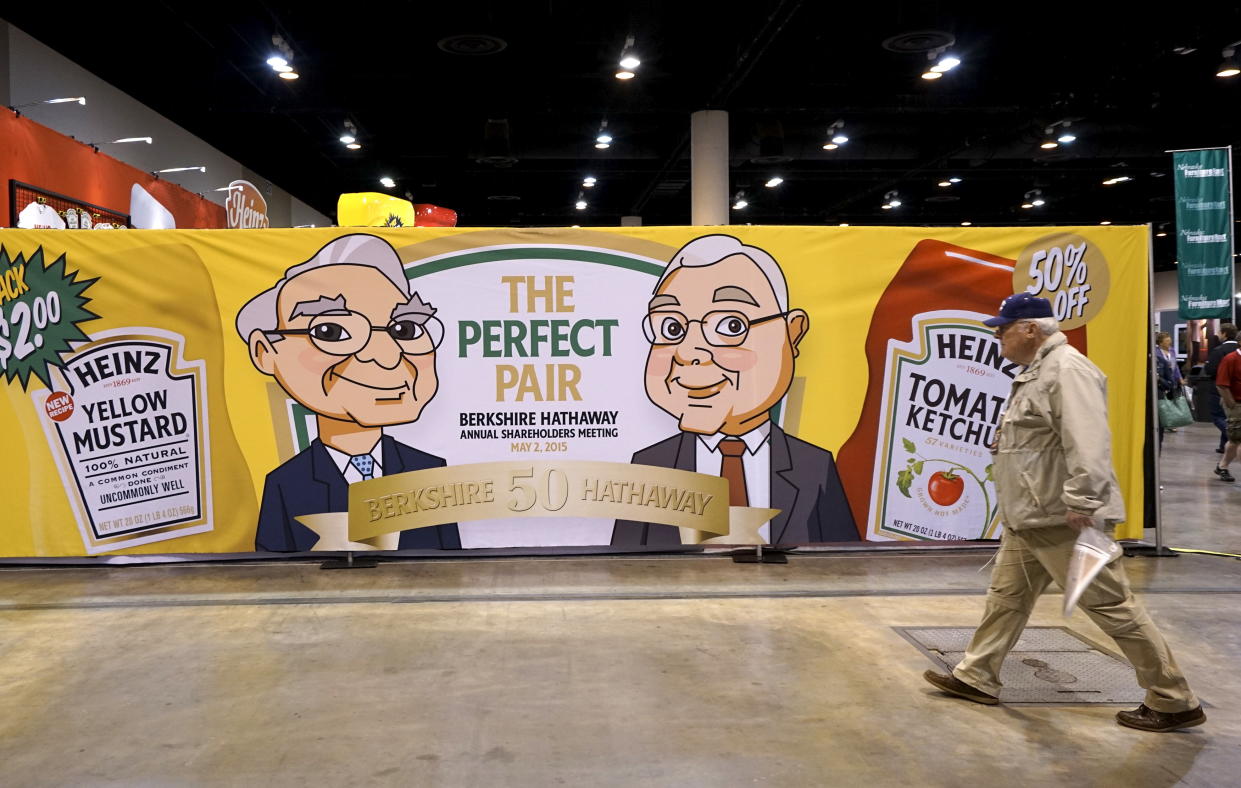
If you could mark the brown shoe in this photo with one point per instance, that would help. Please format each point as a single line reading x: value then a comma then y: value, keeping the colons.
x: 1147, y: 719
x: 953, y: 686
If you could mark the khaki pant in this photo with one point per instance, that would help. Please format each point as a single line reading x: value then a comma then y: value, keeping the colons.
x: 1026, y: 563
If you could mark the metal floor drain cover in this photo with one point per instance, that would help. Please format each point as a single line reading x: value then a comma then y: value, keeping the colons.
x: 1048, y: 665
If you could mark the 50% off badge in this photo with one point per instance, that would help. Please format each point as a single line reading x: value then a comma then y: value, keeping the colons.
x: 1069, y: 271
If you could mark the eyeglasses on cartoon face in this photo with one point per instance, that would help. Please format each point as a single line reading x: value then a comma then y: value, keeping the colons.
x: 724, y: 328
x: 346, y: 333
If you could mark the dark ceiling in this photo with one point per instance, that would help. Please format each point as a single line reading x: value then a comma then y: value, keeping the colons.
x: 506, y: 138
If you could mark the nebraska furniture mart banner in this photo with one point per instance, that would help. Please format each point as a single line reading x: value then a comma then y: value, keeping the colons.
x: 188, y: 391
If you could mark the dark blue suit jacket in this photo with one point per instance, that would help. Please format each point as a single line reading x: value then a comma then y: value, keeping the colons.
x: 804, y: 487
x: 310, y: 483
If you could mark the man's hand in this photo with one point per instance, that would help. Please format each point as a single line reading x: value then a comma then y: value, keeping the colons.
x: 1079, y: 521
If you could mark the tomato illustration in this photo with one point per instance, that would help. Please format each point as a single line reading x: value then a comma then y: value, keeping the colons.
x: 945, y: 487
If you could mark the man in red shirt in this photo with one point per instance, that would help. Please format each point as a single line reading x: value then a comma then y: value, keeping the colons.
x: 1228, y: 381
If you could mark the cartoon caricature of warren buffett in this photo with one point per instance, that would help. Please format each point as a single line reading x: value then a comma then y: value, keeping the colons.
x: 343, y: 335
x: 723, y: 343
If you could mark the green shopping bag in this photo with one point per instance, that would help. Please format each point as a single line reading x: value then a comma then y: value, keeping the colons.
x: 1174, y: 413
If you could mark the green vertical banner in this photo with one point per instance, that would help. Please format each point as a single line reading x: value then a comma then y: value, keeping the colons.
x: 1204, y: 233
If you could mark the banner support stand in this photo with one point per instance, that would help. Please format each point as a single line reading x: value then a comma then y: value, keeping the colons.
x: 1157, y: 550
x: 349, y: 562
x: 759, y: 556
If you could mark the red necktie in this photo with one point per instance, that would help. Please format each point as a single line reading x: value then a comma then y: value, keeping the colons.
x: 732, y: 470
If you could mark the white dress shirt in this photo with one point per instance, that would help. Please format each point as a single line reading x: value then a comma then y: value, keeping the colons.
x: 351, y: 473
x: 756, y: 462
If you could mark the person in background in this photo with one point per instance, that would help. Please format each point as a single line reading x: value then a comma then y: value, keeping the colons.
x: 1228, y: 384
x: 1169, y: 374
x: 1227, y: 344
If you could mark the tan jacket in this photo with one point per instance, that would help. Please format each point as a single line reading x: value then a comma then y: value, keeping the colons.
x: 1055, y: 448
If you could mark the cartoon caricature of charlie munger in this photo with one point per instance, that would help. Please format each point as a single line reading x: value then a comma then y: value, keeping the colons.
x: 342, y: 334
x: 723, y: 344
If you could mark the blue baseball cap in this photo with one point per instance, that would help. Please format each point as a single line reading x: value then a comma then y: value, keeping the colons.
x: 1020, y: 306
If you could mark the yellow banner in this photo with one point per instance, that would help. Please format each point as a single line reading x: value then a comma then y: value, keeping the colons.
x: 204, y: 391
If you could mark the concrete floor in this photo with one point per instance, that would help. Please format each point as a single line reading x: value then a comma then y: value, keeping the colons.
x: 680, y: 671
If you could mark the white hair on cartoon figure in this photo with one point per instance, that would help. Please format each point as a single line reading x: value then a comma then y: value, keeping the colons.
x: 711, y: 249
x: 259, y: 314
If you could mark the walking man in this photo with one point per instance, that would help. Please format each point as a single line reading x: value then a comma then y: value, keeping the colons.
x: 1053, y: 470
x: 1228, y: 384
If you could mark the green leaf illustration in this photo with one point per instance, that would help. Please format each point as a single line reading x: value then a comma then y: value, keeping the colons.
x: 990, y: 478
x: 917, y: 466
x: 903, y: 480
x: 909, y: 445
x: 39, y: 315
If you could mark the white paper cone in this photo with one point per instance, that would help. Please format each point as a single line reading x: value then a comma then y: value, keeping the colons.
x: 1092, y: 551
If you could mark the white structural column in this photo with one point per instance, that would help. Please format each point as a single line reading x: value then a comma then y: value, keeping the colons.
x: 708, y: 156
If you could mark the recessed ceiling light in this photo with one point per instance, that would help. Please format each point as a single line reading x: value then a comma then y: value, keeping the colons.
x: 844, y: 224
x: 1161, y: 235
x: 580, y: 205
x: 387, y: 182
x: 928, y: 75
x: 348, y: 139
x: 1104, y: 222
x: 1027, y: 205
x: 954, y: 179
x: 353, y: 146
x: 276, y: 61
x: 966, y: 224
x: 282, y: 69
x: 831, y: 146
x: 774, y: 182
x: 629, y: 62
x: 624, y: 74
x: 1066, y: 138
x: 603, y: 145
x: 739, y: 205
x: 288, y: 75
x: 944, y: 184
x: 1049, y: 145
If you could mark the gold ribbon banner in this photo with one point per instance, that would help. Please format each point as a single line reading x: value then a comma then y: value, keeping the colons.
x: 694, y: 502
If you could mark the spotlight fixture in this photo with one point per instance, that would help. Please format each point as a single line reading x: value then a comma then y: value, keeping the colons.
x: 1033, y: 199
x: 891, y: 200
x: 182, y: 169
x: 81, y: 100
x: 629, y: 62
x: 281, y: 63
x: 775, y: 181
x: 147, y: 140
x: 589, y: 181
x: 1230, y: 67
x: 940, y: 62
x: 843, y: 224
x: 1104, y: 222
x: 1049, y: 144
x: 954, y: 179
x: 837, y: 130
x: 944, y: 184
x: 1161, y: 235
x: 387, y: 182
x: 350, y: 138
x: 967, y: 224
x: 1116, y: 180
x: 580, y: 205
x: 831, y: 146
x: 740, y: 205
x: 603, y: 139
